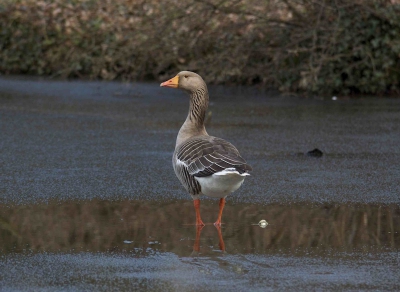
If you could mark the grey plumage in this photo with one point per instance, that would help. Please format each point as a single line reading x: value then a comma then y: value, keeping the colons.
x: 198, y: 155
x: 202, y: 156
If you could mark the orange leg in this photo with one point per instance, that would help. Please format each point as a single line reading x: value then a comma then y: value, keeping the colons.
x: 221, y: 240
x: 196, y: 245
x: 221, y: 208
x: 196, y: 204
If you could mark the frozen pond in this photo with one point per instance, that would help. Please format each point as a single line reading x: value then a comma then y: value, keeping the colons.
x: 89, y: 200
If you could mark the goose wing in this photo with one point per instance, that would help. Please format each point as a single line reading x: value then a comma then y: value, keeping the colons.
x: 206, y: 155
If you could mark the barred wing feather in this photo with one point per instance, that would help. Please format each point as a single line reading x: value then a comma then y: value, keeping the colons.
x: 206, y: 156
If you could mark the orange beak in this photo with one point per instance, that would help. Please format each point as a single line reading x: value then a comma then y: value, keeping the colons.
x: 173, y: 82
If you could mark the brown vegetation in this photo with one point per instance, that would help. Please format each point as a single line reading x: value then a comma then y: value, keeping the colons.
x: 321, y: 47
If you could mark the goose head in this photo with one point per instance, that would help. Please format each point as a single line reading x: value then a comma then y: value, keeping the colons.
x: 186, y: 80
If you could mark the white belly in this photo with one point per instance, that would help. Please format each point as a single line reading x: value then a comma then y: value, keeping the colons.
x: 222, y: 183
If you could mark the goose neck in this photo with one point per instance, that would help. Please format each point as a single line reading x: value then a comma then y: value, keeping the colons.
x: 194, y: 123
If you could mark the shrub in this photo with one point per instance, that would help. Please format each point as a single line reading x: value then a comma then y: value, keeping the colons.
x: 317, y: 47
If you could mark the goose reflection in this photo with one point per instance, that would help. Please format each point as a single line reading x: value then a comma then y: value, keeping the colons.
x: 196, y: 245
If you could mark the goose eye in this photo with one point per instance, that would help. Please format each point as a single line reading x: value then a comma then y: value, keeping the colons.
x: 186, y: 76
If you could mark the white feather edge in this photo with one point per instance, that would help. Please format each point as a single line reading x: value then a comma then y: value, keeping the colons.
x: 228, y: 171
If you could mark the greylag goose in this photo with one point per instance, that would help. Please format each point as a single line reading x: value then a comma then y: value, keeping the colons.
x: 204, y: 164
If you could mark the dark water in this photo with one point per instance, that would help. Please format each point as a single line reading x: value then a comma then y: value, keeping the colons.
x: 89, y: 201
